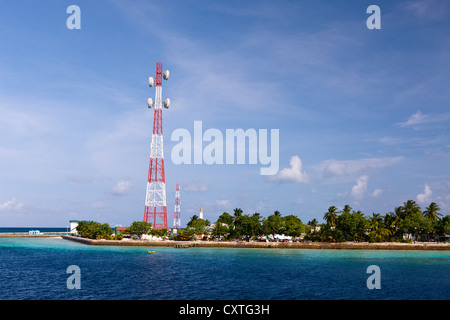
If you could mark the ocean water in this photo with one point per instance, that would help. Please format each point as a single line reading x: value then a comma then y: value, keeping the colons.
x: 33, y: 268
x: 25, y: 230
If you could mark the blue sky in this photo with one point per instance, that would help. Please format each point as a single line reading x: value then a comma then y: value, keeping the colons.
x: 363, y: 114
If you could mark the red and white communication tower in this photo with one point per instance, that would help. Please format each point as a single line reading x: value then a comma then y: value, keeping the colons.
x: 155, y: 201
x: 177, y: 214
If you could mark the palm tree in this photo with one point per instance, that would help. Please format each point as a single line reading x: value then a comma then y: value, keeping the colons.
x: 379, y: 232
x: 390, y: 220
x: 432, y: 211
x: 313, y: 223
x: 346, y: 209
x: 193, y: 219
x: 375, y: 221
x: 277, y: 213
x: 331, y: 216
x: 410, y: 207
x: 398, y: 215
x: 359, y: 212
x: 238, y: 212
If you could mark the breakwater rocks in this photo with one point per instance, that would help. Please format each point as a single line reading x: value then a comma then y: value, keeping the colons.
x: 272, y: 245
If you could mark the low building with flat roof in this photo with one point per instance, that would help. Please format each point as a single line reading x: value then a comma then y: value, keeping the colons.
x: 73, y: 226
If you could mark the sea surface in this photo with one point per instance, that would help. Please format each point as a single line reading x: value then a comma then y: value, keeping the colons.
x: 36, y: 268
x: 26, y: 229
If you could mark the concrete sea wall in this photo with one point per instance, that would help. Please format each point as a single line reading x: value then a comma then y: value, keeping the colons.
x: 273, y: 245
x: 27, y: 235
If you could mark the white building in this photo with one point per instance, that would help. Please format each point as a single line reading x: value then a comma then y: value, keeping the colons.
x: 73, y: 226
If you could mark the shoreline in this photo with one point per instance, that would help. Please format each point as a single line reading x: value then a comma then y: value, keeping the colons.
x: 26, y: 235
x: 268, y: 245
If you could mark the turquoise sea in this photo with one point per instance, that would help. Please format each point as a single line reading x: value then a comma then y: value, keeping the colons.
x: 37, y: 269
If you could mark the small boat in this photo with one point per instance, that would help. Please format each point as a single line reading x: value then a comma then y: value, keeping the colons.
x: 151, y: 251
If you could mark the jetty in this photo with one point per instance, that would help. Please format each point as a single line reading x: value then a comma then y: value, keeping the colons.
x: 185, y: 245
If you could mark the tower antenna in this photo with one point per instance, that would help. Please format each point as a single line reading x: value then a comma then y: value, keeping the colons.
x: 155, y: 201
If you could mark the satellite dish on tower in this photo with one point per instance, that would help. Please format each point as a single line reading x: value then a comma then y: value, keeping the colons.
x: 166, y: 103
x: 150, y: 102
x: 151, y: 82
x: 166, y: 75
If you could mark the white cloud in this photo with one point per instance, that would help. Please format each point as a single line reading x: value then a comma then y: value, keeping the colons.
x: 377, y: 192
x: 78, y: 178
x: 118, y: 147
x: 122, y: 187
x: 428, y: 10
x: 390, y: 141
x: 22, y: 121
x: 11, y: 205
x: 294, y: 173
x: 352, y: 168
x: 416, y: 118
x: 99, y: 205
x: 224, y: 203
x: 419, y: 118
x: 194, y: 186
x: 426, y: 195
x: 360, y: 188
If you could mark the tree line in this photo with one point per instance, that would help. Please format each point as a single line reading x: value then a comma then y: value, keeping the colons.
x: 408, y: 219
x: 96, y: 230
x: 340, y: 225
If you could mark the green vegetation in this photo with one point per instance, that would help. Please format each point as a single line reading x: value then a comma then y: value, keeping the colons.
x: 198, y: 225
x: 345, y: 225
x: 185, y: 234
x: 195, y: 226
x: 94, y: 230
x: 255, y: 226
x: 405, y: 223
x: 139, y: 228
x: 406, y: 220
x: 142, y: 227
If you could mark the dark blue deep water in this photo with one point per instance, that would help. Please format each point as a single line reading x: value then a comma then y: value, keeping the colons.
x: 25, y: 230
x: 36, y: 269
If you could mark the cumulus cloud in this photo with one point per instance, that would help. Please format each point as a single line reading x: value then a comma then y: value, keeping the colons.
x: 360, y: 188
x: 377, y: 192
x: 122, y: 187
x: 426, y: 195
x: 294, y: 173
